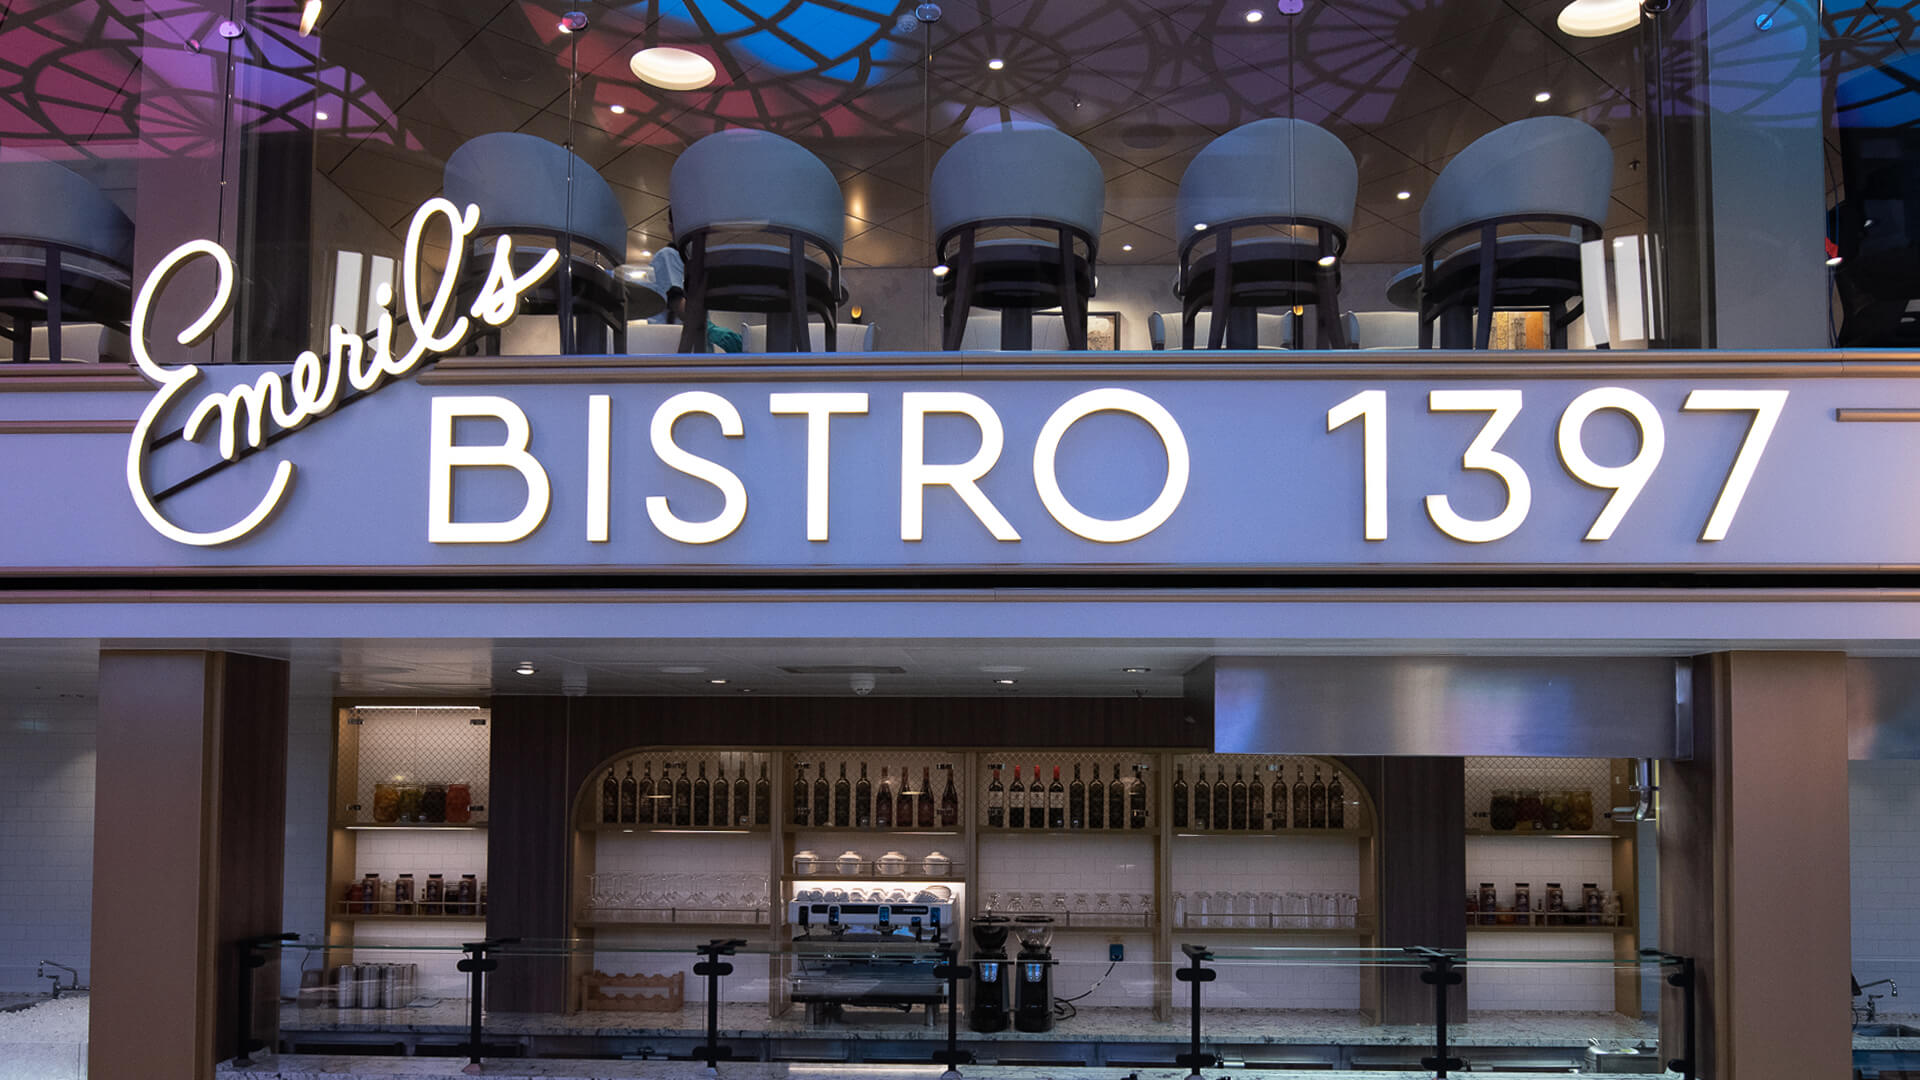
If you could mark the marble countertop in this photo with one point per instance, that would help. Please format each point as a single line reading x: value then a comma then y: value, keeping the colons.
x: 322, y: 1067
x: 1246, y: 1026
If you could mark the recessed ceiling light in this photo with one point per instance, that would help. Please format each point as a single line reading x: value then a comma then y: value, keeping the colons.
x: 40, y: 296
x: 1136, y: 670
x: 940, y: 270
x: 1126, y: 247
x: 1199, y: 226
x: 1255, y: 15
x: 618, y: 110
x: 1543, y: 96
x: 1006, y: 682
x: 526, y: 668
x: 1403, y: 196
x: 996, y: 64
x: 672, y: 69
x: 320, y: 116
x: 1599, y: 18
x: 718, y: 682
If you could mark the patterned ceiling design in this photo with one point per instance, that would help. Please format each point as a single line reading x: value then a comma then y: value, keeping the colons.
x: 876, y: 92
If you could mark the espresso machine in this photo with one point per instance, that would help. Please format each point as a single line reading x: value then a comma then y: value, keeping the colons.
x: 1033, y: 985
x: 992, y: 1008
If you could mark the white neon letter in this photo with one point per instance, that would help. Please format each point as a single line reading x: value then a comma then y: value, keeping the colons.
x: 916, y: 475
x: 599, y: 434
x: 1111, y: 399
x: 733, y: 508
x: 1370, y: 408
x: 819, y: 410
x: 499, y: 298
x: 1505, y: 406
x: 1766, y: 406
x: 1628, y: 480
x: 445, y: 456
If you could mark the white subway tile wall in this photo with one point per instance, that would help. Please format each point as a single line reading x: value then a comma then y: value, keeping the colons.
x: 1290, y: 863
x: 1545, y: 986
x: 711, y: 855
x: 1884, y: 819
x: 46, y: 837
x: 392, y: 852
x: 1065, y: 863
x: 1537, y: 860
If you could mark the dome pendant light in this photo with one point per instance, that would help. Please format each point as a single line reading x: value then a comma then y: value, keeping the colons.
x: 1599, y: 18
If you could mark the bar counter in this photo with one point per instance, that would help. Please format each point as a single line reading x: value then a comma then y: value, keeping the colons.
x: 316, y: 1066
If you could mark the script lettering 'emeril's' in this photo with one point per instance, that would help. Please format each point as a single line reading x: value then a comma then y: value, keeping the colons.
x: 314, y: 386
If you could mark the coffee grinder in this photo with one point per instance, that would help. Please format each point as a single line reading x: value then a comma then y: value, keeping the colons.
x: 1033, y: 986
x: 991, y: 1008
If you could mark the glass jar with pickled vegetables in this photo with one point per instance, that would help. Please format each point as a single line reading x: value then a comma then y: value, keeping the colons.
x: 386, y: 803
x: 411, y: 796
x: 1503, y: 811
x: 1580, y: 811
x: 1527, y: 811
x: 459, y: 803
x: 1553, y: 811
x: 433, y: 803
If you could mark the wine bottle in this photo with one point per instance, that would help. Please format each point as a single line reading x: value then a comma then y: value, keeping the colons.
x: 610, y: 796
x: 629, y: 794
x: 1222, y: 799
x: 1202, y: 800
x: 1017, y: 802
x: 722, y: 810
x: 762, y: 798
x: 1336, y: 803
x: 1180, y: 797
x: 996, y: 802
x: 903, y: 803
x: 923, y: 803
x: 1077, y: 801
x: 1137, y: 801
x: 647, y: 806
x: 1116, y: 800
x: 1277, y: 797
x: 1056, y: 802
x: 842, y: 800
x: 863, y: 800
x: 822, y: 799
x: 1036, y: 802
x: 1097, y: 800
x: 1302, y: 803
x: 1239, y: 799
x: 800, y: 803
x: 703, y: 798
x: 883, y: 802
x: 742, y: 795
x: 1256, y: 804
x: 682, y: 798
x: 1319, y: 796
x: 949, y: 803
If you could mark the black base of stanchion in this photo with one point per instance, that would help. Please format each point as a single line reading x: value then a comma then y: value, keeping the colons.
x: 1196, y: 1062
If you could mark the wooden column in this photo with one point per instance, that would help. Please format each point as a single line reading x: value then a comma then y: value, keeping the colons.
x: 1754, y: 855
x: 189, y: 833
x: 1422, y: 846
x: 529, y: 848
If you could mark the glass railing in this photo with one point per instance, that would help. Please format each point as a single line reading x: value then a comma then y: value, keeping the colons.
x: 896, y: 999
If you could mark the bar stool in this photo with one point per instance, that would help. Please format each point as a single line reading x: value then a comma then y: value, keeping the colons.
x: 1542, y: 169
x: 66, y: 254
x: 1276, y: 173
x: 739, y: 183
x: 525, y: 185
x: 1017, y: 175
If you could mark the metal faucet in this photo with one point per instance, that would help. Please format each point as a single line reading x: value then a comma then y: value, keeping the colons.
x: 41, y: 973
x: 1893, y: 990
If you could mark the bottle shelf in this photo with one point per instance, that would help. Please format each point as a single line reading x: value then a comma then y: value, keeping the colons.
x: 1542, y: 834
x: 1277, y: 924
x: 1537, y: 924
x: 1150, y: 832
x: 622, y: 918
x: 411, y: 826
x: 411, y: 919
x: 704, y: 830
x: 871, y: 830
x: 1197, y: 834
x: 387, y: 911
x: 868, y: 872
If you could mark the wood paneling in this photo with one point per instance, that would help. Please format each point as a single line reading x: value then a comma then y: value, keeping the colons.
x: 1422, y: 845
x: 529, y: 847
x: 189, y: 820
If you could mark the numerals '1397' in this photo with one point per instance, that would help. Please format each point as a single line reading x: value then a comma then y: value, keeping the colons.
x: 1626, y: 481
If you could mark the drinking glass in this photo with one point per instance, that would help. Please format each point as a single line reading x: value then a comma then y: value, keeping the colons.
x: 1081, y: 902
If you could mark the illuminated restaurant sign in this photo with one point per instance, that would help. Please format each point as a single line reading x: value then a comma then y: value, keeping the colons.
x: 721, y: 465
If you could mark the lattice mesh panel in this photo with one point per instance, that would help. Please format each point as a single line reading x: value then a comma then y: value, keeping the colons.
x: 412, y: 747
x: 1268, y: 767
x: 1548, y: 777
x: 1044, y: 761
x: 919, y: 765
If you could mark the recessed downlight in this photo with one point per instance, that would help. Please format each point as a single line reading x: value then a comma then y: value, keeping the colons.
x: 996, y: 64
x: 617, y: 110
x: 525, y: 668
x: 1403, y: 196
x: 1543, y: 97
x: 717, y: 682
x: 40, y: 296
x: 672, y: 69
x: 322, y: 117
x: 1136, y: 670
x: 1599, y: 18
x: 1254, y: 15
x: 1006, y: 682
x: 1126, y: 247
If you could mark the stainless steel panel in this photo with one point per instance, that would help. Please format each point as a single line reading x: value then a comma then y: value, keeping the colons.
x: 1446, y: 706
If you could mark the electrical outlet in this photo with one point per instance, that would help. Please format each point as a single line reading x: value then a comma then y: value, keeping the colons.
x: 1116, y: 952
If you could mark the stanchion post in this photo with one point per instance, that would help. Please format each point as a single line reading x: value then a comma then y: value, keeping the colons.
x: 252, y: 959
x: 1194, y: 974
x: 1443, y: 971
x: 476, y: 964
x: 713, y: 967
x: 952, y: 971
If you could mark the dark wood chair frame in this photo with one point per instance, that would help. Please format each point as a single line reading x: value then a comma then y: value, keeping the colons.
x: 1457, y: 306
x: 799, y: 304
x: 53, y: 310
x: 1324, y: 292
x: 955, y: 250
x: 565, y: 305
